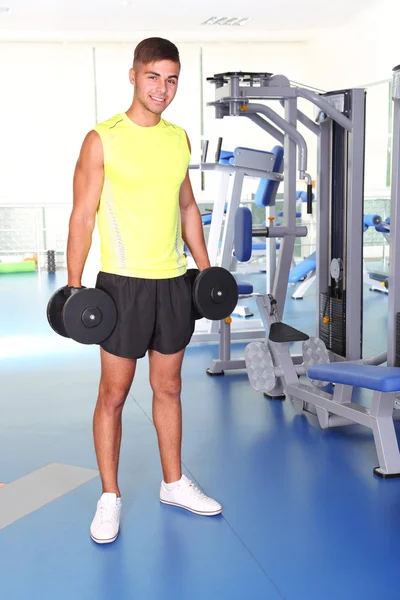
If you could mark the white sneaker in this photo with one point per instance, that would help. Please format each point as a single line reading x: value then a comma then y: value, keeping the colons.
x: 187, y: 495
x: 105, y: 525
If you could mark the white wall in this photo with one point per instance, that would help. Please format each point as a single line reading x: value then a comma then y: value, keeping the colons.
x: 52, y: 94
x: 362, y: 51
x: 46, y: 106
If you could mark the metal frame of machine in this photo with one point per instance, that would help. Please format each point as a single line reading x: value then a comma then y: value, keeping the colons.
x: 340, y: 131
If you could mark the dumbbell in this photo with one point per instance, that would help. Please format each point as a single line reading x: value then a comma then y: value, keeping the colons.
x: 89, y: 316
x: 214, y: 293
x: 86, y: 315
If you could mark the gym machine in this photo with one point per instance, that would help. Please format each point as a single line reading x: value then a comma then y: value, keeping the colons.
x: 245, y: 162
x: 379, y: 282
x: 306, y: 269
x: 339, y: 130
x: 272, y: 369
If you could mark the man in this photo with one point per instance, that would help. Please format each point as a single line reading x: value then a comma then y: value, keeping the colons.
x: 133, y: 171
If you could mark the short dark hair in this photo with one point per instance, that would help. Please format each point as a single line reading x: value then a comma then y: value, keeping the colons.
x: 154, y: 49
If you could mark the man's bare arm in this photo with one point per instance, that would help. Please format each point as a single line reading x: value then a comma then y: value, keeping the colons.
x: 192, y: 226
x: 87, y: 187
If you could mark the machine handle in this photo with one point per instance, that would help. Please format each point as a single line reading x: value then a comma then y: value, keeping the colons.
x: 309, y: 199
x: 205, y: 150
x: 218, y: 152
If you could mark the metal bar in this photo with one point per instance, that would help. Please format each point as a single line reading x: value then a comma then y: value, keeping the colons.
x: 231, y: 169
x: 288, y: 127
x: 229, y: 229
x: 385, y: 437
x: 223, y: 94
x: 326, y: 107
x: 394, y: 266
x: 279, y: 290
x: 306, y: 121
x: 353, y: 412
x: 217, y: 220
x: 238, y: 335
x: 270, y: 246
x: 267, y: 127
x: 279, y: 232
x: 354, y: 228
x: 218, y: 366
x: 324, y: 176
x: 224, y: 341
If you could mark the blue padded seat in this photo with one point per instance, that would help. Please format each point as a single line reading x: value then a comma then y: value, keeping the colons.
x: 225, y: 156
x: 245, y: 288
x: 242, y: 236
x: 382, y: 379
x: 303, y: 269
x: 380, y: 228
x: 267, y: 188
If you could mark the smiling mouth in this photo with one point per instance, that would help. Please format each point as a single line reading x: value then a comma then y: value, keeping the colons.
x: 156, y: 99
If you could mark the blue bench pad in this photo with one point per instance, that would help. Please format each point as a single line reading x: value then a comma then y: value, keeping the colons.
x: 382, y: 379
x: 303, y: 268
x: 245, y: 288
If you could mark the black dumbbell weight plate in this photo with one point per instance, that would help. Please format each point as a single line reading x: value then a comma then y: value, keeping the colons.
x: 55, y: 310
x: 90, y: 316
x: 215, y: 293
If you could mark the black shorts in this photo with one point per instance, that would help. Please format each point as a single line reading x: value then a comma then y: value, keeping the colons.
x: 153, y: 314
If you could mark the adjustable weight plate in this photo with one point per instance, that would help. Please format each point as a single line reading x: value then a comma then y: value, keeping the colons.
x: 55, y: 310
x: 215, y: 293
x: 90, y: 316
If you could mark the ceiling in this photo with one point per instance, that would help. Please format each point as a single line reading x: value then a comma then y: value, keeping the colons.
x: 124, y: 20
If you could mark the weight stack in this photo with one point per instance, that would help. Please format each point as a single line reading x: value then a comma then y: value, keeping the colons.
x: 397, y: 359
x: 333, y: 332
x: 51, y: 261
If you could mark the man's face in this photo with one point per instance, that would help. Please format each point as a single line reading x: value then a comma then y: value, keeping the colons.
x: 155, y: 84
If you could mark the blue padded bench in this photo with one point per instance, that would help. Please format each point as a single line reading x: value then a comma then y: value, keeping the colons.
x: 245, y: 288
x: 385, y: 382
x: 381, y: 379
x: 303, y: 268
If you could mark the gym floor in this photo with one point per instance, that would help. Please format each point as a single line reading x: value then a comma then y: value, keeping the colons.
x: 304, y: 517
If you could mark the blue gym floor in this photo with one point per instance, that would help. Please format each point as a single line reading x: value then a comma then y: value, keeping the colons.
x: 304, y: 517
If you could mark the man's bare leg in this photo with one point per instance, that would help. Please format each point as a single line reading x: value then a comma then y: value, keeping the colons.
x: 165, y: 380
x: 116, y: 379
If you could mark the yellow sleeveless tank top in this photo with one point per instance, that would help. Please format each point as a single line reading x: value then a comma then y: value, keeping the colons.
x: 138, y: 214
